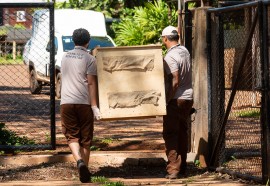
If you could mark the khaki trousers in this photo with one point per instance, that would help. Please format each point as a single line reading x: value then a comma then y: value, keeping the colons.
x: 175, y: 134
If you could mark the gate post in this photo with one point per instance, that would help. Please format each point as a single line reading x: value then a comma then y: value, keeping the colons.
x: 265, y: 117
x: 52, y: 78
x: 200, y: 127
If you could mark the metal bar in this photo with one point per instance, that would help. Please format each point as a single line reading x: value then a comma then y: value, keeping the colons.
x: 52, y: 78
x: 239, y: 175
x: 232, y: 8
x: 209, y: 78
x: 235, y: 85
x: 221, y: 76
x: 230, y: 3
x: 239, y: 155
x: 25, y: 5
x: 265, y: 117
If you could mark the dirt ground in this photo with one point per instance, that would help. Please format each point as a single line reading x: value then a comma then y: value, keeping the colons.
x: 29, y: 115
x: 68, y: 172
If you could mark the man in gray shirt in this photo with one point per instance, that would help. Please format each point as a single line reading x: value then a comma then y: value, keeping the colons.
x: 79, y: 100
x: 179, y: 99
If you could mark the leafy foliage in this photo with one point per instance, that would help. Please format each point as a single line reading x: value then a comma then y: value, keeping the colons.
x: 10, y: 138
x: 110, y: 8
x: 141, y: 21
x: 143, y: 25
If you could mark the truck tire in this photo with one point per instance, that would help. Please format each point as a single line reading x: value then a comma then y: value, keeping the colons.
x: 35, y: 85
x: 58, y: 85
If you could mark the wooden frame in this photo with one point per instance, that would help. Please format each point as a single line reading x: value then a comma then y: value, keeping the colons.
x: 131, y: 82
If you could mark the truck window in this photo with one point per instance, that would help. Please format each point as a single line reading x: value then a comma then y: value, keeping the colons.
x: 55, y: 45
x: 68, y: 43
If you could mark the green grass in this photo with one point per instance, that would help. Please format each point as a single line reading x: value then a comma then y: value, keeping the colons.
x: 101, y: 142
x: 248, y: 114
x: 107, y: 140
x: 48, y: 137
x: 105, y: 181
x: 104, y: 140
x: 8, y: 61
x: 94, y: 148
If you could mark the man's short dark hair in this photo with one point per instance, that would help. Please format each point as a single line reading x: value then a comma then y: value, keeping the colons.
x: 174, y: 37
x: 81, y: 37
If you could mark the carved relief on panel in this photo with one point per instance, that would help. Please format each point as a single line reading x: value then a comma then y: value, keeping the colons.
x: 129, y: 63
x: 133, y: 99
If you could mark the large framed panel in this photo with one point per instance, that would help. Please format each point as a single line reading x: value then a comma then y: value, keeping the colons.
x: 131, y: 82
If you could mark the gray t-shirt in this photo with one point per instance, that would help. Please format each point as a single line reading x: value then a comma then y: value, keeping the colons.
x: 178, y: 59
x: 75, y: 66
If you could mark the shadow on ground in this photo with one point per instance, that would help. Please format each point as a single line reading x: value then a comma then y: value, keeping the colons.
x: 68, y: 171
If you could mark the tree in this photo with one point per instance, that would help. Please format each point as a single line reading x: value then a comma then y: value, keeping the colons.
x: 110, y: 8
x: 143, y: 25
x: 134, y: 3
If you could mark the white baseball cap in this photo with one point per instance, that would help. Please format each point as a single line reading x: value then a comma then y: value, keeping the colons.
x: 169, y: 31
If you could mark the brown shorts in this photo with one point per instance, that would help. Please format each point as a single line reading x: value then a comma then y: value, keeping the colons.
x: 77, y: 123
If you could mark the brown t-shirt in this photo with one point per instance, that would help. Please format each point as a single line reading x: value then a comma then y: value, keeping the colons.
x: 75, y: 66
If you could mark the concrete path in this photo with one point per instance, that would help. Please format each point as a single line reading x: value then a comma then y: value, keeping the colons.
x: 118, y: 159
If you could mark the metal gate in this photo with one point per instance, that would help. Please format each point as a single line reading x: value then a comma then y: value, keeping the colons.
x: 27, y: 118
x: 238, y: 72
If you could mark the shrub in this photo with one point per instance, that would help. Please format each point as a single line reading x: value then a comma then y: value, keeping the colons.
x: 8, y: 137
x: 143, y: 25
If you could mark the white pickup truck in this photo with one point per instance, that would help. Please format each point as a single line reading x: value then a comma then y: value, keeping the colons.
x: 37, y: 51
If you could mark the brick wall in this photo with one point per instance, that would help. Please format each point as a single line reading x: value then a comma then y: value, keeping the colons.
x: 13, y: 16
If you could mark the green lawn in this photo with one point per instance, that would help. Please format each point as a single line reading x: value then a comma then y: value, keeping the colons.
x: 4, y: 61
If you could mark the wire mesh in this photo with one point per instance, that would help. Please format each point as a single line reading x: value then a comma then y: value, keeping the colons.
x: 24, y: 100
x: 240, y: 150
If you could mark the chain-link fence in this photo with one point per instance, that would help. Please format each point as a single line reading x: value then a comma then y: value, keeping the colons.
x: 236, y: 75
x: 26, y: 93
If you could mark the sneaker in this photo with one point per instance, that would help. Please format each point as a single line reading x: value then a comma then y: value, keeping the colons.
x: 84, y: 173
x: 171, y: 176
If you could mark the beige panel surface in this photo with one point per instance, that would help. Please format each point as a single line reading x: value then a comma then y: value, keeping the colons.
x: 131, y: 82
